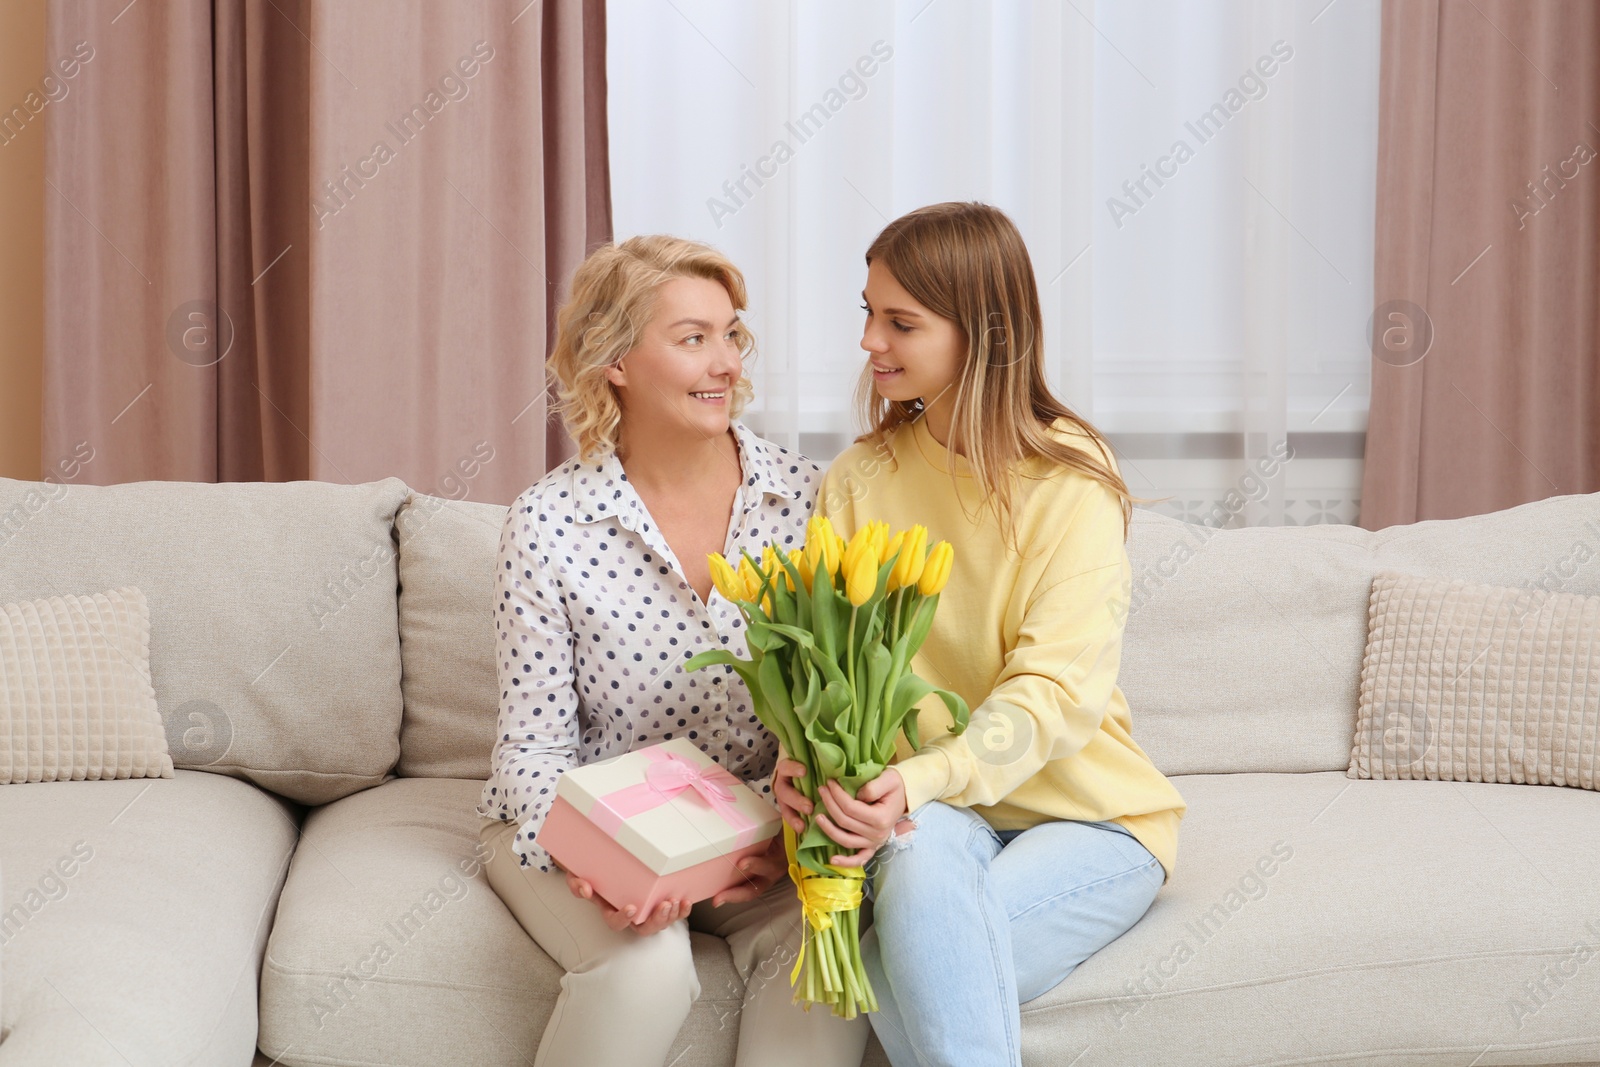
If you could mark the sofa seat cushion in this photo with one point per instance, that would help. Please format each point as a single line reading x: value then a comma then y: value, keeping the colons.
x: 390, y: 946
x: 133, y: 918
x: 1316, y: 918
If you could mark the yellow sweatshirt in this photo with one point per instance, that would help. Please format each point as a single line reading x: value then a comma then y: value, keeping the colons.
x: 1033, y: 644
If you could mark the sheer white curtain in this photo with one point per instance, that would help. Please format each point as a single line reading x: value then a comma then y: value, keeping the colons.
x: 1202, y: 303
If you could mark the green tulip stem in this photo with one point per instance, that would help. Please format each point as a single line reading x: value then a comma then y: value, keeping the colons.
x: 846, y: 967
x: 850, y: 648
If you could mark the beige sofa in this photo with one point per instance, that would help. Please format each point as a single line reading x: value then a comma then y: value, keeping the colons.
x: 308, y: 884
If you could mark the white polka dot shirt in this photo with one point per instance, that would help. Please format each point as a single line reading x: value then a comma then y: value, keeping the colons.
x: 594, y: 618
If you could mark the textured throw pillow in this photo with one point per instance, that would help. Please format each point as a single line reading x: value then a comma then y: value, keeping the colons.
x: 1478, y: 683
x: 75, y: 696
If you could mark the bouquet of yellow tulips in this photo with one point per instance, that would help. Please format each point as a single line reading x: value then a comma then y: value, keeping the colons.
x: 832, y: 631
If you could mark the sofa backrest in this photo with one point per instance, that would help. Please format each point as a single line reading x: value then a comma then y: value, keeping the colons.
x: 447, y: 556
x: 1242, y: 653
x: 274, y: 648
x: 1243, y: 647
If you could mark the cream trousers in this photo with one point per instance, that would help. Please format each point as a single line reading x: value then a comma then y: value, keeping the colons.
x: 625, y: 997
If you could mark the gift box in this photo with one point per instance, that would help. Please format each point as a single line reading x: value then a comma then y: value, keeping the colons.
x: 655, y: 824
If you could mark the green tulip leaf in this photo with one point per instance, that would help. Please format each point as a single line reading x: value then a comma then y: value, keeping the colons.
x: 746, y: 669
x: 909, y: 724
x: 803, y: 638
x: 959, y: 711
x: 872, y: 623
x: 706, y: 659
x: 830, y: 757
x: 760, y: 635
x: 775, y: 694
x: 825, y: 612
x: 847, y: 735
x: 808, y: 710
x: 882, y: 586
x: 865, y: 773
x: 921, y: 623
x: 782, y: 602
x: 810, y: 862
x: 878, y: 665
x: 801, y: 599
x: 830, y: 669
x: 902, y: 707
x: 837, y: 701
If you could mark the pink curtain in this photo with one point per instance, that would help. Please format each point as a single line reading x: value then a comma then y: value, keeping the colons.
x: 1486, y: 337
x: 324, y: 239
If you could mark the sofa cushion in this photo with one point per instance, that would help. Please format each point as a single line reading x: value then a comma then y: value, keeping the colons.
x: 1317, y: 918
x: 1243, y: 647
x: 447, y: 557
x: 75, y: 690
x: 391, y: 947
x: 274, y: 648
x: 133, y: 918
x: 1478, y: 683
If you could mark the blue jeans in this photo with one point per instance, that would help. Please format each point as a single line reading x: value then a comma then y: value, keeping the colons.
x: 969, y: 923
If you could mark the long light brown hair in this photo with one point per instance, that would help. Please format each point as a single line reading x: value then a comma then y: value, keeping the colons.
x: 966, y: 262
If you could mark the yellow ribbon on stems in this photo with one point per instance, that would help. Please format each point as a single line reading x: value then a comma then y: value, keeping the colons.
x: 820, y: 896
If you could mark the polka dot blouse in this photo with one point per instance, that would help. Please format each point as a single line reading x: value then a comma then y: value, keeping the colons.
x: 594, y: 618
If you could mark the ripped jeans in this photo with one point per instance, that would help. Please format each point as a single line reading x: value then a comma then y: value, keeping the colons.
x: 969, y: 923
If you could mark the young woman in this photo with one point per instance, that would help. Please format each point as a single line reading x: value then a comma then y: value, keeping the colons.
x: 602, y: 590
x: 1043, y: 831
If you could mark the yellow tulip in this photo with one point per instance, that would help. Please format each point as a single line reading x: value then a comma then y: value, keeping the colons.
x: 821, y: 546
x: 797, y: 560
x: 752, y: 579
x: 861, y: 542
x: 896, y: 544
x: 830, y: 553
x: 861, y: 579
x: 806, y: 566
x: 880, y: 538
x: 772, y: 571
x: 864, y: 536
x: 819, y: 529
x: 727, y: 581
x: 815, y: 553
x: 937, y: 570
x: 913, y: 557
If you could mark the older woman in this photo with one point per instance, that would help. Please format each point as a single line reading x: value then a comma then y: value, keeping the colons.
x: 602, y: 590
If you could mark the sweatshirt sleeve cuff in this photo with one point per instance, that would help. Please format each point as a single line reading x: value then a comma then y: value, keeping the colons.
x: 926, y: 775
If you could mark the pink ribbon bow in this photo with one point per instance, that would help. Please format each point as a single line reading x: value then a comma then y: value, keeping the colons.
x: 667, y: 776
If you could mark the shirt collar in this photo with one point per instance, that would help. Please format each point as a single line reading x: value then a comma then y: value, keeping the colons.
x: 609, y: 494
x: 763, y: 471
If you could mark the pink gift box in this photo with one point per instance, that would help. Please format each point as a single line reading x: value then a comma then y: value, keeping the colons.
x: 655, y: 824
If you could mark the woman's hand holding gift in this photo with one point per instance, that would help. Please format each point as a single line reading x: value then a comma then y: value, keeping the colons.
x: 665, y: 914
x: 760, y: 874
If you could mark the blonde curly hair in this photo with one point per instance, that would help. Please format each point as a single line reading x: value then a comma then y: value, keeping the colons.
x: 613, y: 297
